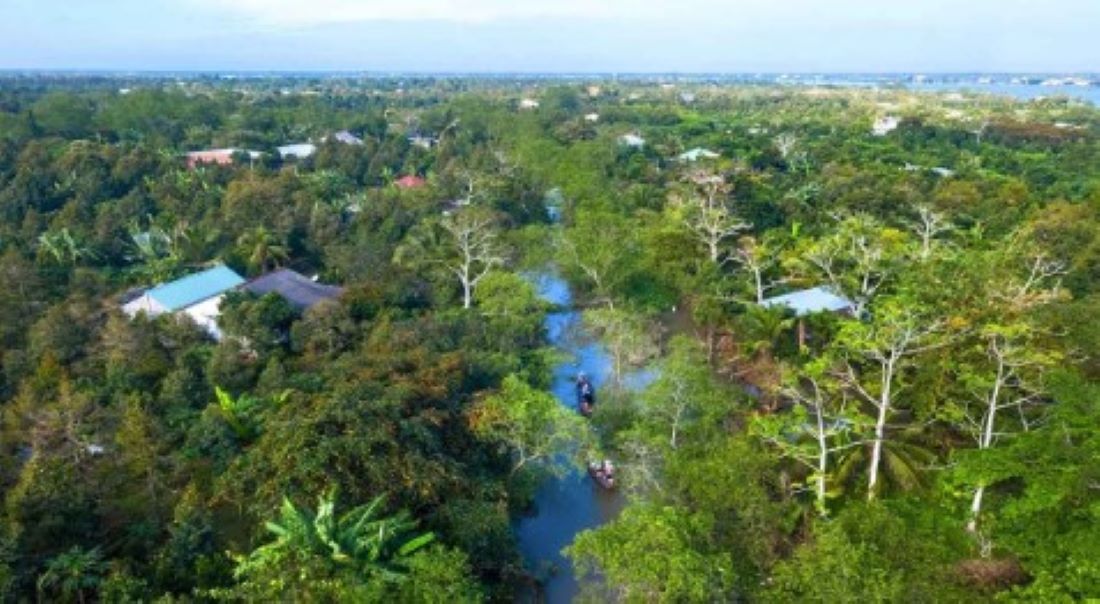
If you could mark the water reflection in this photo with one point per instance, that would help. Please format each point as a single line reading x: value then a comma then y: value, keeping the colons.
x: 566, y: 506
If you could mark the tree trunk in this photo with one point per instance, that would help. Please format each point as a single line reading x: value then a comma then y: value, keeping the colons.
x: 822, y: 459
x: 880, y: 428
x: 710, y: 343
x: 984, y: 442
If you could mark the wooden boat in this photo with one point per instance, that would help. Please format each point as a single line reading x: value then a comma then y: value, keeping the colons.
x: 602, y: 473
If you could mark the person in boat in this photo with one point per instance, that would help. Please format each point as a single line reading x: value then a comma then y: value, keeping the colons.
x: 603, y: 473
x: 586, y: 394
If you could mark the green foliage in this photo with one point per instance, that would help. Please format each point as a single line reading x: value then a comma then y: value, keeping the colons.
x: 533, y: 426
x: 322, y: 554
x: 137, y: 452
x: 70, y: 575
x: 651, y: 554
x: 859, y: 556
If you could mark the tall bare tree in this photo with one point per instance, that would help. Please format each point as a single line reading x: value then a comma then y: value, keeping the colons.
x: 709, y: 218
x: 929, y: 225
x: 756, y: 258
x: 474, y: 238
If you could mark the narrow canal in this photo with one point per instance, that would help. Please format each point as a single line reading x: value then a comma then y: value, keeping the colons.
x: 568, y: 505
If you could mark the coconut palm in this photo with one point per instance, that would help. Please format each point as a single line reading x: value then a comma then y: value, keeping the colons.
x: 760, y: 328
x: 263, y: 249
x: 69, y: 575
x: 905, y: 465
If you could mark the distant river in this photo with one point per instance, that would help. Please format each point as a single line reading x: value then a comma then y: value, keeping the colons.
x: 1023, y: 92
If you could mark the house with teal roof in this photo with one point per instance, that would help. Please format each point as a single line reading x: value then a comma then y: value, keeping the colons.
x: 197, y: 295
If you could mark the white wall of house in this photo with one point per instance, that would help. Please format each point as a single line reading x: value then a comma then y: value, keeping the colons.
x: 205, y: 314
x: 145, y: 304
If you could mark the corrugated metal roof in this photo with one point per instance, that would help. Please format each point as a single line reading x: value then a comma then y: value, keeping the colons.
x: 297, y: 150
x: 809, y: 301
x: 194, y: 288
x: 698, y: 153
x: 347, y: 138
x: 297, y: 289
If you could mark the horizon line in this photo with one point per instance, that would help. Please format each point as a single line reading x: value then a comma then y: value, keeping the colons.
x: 566, y: 73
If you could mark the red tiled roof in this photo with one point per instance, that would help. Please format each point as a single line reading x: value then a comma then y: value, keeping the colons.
x: 409, y: 182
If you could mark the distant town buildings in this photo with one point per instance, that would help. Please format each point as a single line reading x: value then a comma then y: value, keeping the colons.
x: 696, y: 154
x: 885, y: 125
x: 632, y: 140
x: 424, y: 142
x: 221, y: 157
x: 297, y: 150
x: 347, y: 138
x: 410, y: 181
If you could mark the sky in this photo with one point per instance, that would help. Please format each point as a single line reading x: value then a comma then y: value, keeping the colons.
x: 687, y: 36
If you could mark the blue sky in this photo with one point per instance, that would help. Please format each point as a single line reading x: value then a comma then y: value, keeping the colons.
x: 553, y: 35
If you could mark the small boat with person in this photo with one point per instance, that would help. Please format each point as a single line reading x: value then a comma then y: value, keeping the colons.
x: 586, y: 395
x: 603, y: 473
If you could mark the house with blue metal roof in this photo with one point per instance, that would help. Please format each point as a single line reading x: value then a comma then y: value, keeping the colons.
x: 197, y: 295
x: 808, y: 301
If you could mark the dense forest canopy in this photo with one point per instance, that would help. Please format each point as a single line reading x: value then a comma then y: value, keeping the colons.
x: 939, y: 440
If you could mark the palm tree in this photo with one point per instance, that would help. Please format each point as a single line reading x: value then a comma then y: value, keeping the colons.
x: 760, y: 328
x: 63, y: 248
x: 360, y: 539
x: 263, y: 249
x: 904, y: 466
x: 71, y: 574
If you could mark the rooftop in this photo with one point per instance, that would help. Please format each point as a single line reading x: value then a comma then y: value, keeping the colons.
x: 808, y: 301
x: 297, y: 150
x: 299, y: 290
x: 697, y: 154
x: 195, y: 288
x: 409, y: 182
x: 347, y: 138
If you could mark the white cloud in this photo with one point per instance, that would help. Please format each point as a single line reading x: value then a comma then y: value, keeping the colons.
x: 304, y: 13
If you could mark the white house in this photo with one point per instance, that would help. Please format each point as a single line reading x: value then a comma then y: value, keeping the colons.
x: 698, y: 153
x: 347, y: 138
x: 424, y: 142
x: 885, y: 125
x: 632, y: 140
x: 528, y: 104
x: 592, y: 118
x: 297, y: 150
